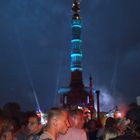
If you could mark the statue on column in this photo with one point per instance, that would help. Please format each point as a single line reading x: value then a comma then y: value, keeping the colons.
x: 76, y: 6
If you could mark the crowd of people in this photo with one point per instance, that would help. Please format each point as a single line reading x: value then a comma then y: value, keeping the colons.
x: 63, y: 124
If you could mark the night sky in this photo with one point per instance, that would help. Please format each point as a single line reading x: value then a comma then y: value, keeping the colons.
x: 35, y: 50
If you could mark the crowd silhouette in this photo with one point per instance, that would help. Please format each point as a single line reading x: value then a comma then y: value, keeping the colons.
x: 64, y: 124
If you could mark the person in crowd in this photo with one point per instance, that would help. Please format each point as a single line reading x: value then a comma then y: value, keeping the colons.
x: 110, y: 123
x: 132, y: 131
x: 91, y: 127
x: 23, y: 132
x: 122, y: 125
x: 7, y: 130
x: 34, y: 127
x: 110, y: 133
x: 75, y: 132
x: 57, y: 124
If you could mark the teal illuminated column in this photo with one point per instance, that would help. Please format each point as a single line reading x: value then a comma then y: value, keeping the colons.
x: 76, y: 53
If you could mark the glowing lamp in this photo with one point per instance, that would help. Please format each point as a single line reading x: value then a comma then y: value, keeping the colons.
x: 117, y: 114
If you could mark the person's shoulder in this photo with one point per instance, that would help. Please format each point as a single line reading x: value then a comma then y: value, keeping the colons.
x: 47, y: 139
x: 76, y: 130
x: 45, y: 136
x: 126, y: 137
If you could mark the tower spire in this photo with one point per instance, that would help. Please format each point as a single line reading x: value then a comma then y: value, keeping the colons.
x: 76, y: 52
x: 91, y: 99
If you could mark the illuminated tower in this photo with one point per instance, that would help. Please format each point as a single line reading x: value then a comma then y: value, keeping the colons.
x: 76, y: 52
x: 76, y: 94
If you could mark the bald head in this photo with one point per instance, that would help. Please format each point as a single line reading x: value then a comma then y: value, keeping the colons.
x: 58, y: 120
x: 76, y: 118
x: 75, y: 112
x: 55, y: 112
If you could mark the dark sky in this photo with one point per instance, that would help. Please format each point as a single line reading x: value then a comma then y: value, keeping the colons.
x: 35, y: 49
